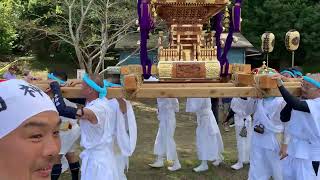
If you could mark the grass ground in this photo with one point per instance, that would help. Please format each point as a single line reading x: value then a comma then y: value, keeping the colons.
x: 145, y: 111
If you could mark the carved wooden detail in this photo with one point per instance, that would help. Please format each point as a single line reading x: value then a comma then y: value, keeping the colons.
x: 188, y: 70
x: 189, y: 46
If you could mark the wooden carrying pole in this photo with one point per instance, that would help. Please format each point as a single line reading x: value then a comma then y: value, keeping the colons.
x: 154, y: 90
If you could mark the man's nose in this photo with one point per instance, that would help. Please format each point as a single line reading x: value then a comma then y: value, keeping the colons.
x: 52, y: 146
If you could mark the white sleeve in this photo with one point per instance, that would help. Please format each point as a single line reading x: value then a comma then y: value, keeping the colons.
x: 314, y: 107
x: 283, y: 104
x: 100, y: 110
x: 127, y: 142
x: 277, y: 108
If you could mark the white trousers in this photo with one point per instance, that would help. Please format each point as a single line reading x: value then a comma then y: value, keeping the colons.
x: 264, y: 163
x: 164, y: 143
x: 299, y: 169
x: 208, y: 138
x: 243, y: 143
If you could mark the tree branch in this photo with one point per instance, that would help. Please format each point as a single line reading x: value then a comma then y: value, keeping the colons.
x: 70, y: 20
x: 63, y: 37
x: 83, y: 16
x: 104, y: 35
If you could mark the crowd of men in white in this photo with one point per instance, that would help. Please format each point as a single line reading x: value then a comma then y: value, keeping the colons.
x: 278, y: 136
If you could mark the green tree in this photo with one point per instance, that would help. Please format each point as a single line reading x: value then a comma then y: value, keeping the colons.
x: 91, y: 27
x: 7, y: 26
x: 279, y: 16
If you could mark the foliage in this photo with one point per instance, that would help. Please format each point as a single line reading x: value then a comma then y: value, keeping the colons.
x: 279, y: 16
x: 92, y: 27
x: 7, y: 26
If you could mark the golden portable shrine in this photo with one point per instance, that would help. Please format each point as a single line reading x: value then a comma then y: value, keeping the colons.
x: 189, y: 64
x: 191, y: 53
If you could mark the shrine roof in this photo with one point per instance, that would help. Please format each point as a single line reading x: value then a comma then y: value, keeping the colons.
x: 188, y: 11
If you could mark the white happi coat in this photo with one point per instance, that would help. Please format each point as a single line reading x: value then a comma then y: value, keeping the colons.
x: 304, y: 144
x: 164, y: 143
x: 208, y: 137
x: 241, y: 120
x: 264, y: 158
x: 69, y: 137
x: 98, y: 161
x: 125, y: 135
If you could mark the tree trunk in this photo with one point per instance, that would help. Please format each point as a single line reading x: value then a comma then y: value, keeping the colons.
x: 80, y: 58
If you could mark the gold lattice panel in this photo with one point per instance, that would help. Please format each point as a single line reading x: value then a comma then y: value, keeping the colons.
x: 165, y: 69
x: 212, y: 69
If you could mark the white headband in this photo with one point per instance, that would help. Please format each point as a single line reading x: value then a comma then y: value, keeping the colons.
x: 18, y: 102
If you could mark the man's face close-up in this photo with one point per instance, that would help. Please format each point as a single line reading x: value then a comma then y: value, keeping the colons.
x: 86, y: 90
x: 27, y: 152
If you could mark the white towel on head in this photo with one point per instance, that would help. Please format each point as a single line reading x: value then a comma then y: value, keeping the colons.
x: 19, y: 101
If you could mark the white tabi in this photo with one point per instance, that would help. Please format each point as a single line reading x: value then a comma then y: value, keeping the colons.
x: 164, y: 144
x: 68, y: 137
x: 98, y: 161
x: 208, y: 137
x: 125, y: 135
x: 264, y: 158
x: 242, y: 120
x: 304, y: 144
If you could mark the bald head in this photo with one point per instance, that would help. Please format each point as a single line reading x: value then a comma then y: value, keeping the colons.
x: 88, y: 92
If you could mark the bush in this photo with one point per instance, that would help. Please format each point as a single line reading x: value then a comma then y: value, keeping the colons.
x: 7, y: 27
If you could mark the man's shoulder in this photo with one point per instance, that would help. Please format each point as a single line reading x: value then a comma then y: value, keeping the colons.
x: 314, y: 101
x: 317, y: 99
x: 100, y: 106
x: 98, y: 102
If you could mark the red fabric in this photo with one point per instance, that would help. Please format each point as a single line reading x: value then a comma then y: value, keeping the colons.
x: 2, y: 80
